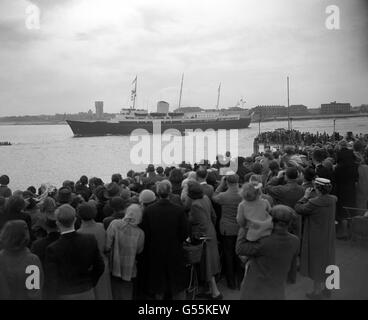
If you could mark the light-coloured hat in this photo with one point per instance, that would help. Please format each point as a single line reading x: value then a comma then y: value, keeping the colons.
x: 147, y: 196
x: 322, y: 181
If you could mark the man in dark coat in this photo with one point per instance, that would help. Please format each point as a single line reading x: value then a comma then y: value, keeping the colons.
x: 270, y: 258
x: 288, y: 194
x: 229, y: 201
x: 73, y: 264
x: 166, y: 227
x: 39, y: 246
x: 345, y: 177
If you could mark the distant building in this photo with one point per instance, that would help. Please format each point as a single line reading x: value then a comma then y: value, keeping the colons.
x: 163, y: 107
x: 356, y: 109
x: 99, y: 109
x: 314, y: 111
x: 298, y: 110
x: 335, y: 108
x: 364, y: 108
x: 269, y: 111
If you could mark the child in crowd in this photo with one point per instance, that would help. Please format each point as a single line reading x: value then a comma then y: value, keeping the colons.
x: 254, y: 212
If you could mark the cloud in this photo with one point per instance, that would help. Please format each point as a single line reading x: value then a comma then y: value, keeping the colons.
x: 89, y: 50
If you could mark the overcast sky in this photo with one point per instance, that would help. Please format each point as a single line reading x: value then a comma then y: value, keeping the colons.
x: 87, y: 50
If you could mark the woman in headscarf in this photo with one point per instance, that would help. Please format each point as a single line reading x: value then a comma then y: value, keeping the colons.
x: 190, y: 176
x: 125, y: 240
x: 146, y: 198
x: 46, y: 211
x: 318, y: 243
x: 202, y: 218
x: 15, y: 259
x: 176, y: 178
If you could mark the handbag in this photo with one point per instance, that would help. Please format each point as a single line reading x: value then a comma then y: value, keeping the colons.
x: 193, y: 253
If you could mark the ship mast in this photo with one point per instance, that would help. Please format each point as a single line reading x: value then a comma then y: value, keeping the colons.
x: 218, y: 96
x: 288, y: 103
x: 134, y: 92
x: 181, y: 90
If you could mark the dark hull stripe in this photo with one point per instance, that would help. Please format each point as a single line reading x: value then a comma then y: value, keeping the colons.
x: 84, y: 128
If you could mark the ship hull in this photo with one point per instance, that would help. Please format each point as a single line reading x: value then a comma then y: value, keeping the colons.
x: 103, y: 128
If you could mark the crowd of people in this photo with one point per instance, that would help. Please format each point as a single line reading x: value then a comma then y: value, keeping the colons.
x: 264, y: 218
x: 295, y: 137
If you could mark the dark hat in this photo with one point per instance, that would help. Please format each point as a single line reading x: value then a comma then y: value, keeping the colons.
x: 151, y: 168
x: 87, y: 211
x: 292, y: 173
x: 64, y: 195
x: 4, y: 180
x: 112, y: 190
x: 130, y: 173
x: 69, y: 183
x: 99, y: 192
x: 194, y: 190
x: 32, y: 189
x: 117, y: 203
x: 83, y: 180
x: 116, y: 177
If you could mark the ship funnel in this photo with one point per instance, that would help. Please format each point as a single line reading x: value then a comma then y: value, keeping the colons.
x: 163, y: 107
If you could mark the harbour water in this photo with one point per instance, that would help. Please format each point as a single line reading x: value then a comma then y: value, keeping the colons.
x: 50, y: 153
